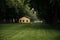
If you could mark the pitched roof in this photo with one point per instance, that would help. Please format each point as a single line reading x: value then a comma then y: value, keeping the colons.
x: 24, y: 17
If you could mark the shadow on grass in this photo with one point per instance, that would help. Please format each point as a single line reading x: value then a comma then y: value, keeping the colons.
x: 1, y: 38
x: 42, y: 26
x: 57, y: 38
x: 29, y: 25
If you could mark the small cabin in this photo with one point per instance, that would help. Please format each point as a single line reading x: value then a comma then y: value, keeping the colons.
x: 24, y: 20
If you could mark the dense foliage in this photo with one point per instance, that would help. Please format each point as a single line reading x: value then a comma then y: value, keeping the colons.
x: 48, y: 10
x: 14, y: 9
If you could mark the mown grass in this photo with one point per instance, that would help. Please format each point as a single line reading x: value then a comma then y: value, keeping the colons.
x: 34, y: 31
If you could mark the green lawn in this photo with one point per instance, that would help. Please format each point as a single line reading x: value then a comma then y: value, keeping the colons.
x: 28, y: 32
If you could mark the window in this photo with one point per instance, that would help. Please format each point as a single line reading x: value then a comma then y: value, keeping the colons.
x: 23, y: 20
x: 26, y: 20
x: 20, y: 20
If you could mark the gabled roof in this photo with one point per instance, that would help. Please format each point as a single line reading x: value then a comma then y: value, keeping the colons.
x: 24, y: 17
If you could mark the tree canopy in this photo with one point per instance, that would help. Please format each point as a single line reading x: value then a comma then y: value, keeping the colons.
x: 16, y: 8
x: 48, y: 10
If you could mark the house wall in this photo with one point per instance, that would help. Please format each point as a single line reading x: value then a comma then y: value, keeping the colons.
x: 24, y: 20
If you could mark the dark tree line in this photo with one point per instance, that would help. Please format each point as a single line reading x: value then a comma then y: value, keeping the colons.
x: 48, y: 10
x: 6, y: 13
x: 12, y: 10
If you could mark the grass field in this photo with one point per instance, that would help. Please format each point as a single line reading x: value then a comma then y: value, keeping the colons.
x: 28, y: 32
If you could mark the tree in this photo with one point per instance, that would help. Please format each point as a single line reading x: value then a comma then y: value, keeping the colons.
x: 2, y: 10
x: 14, y: 9
x: 22, y: 8
x: 48, y: 10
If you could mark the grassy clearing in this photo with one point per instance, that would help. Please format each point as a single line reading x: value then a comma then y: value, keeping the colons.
x: 28, y: 32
